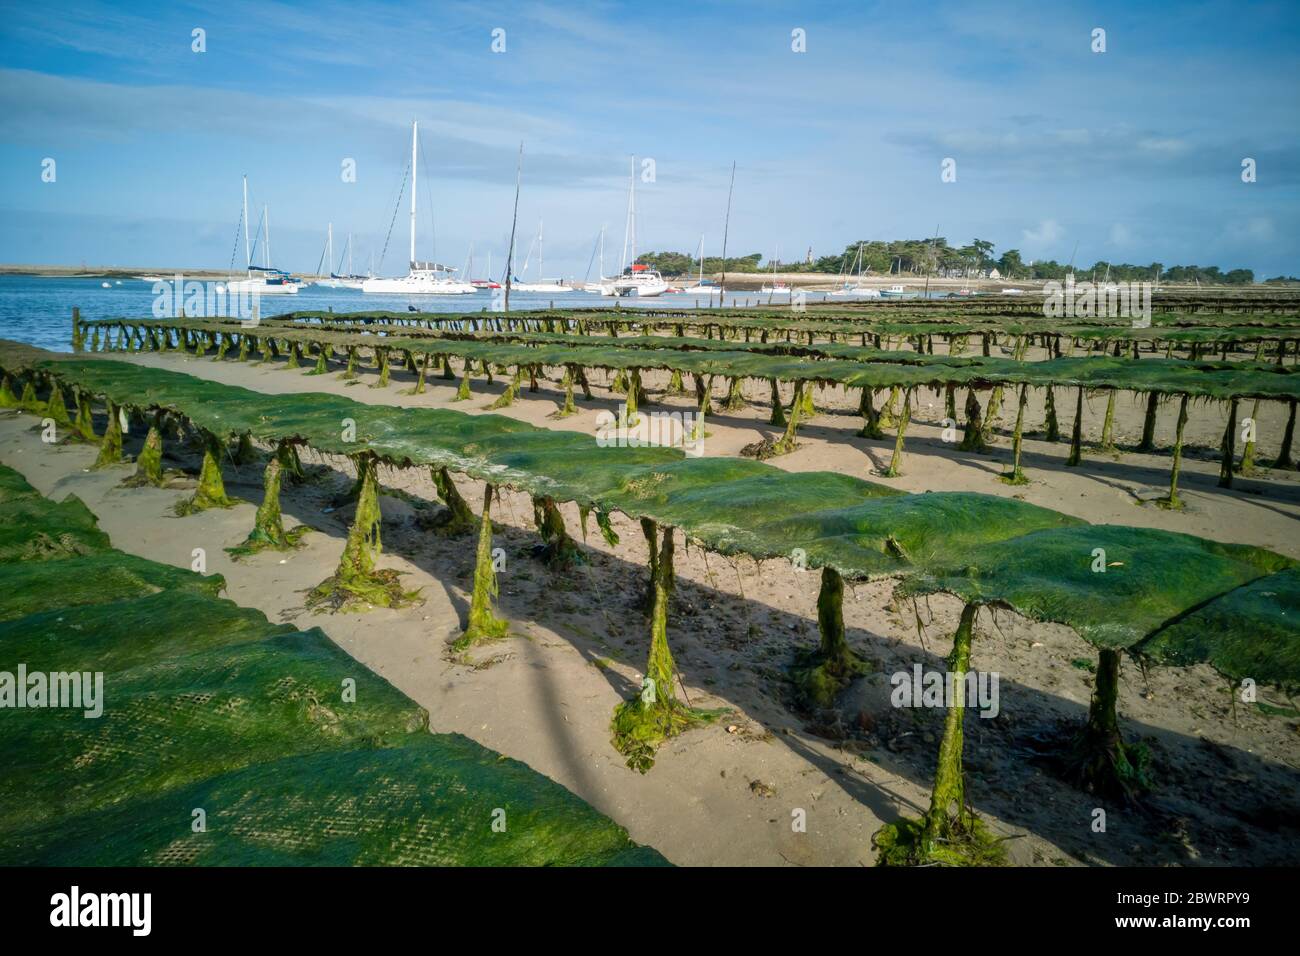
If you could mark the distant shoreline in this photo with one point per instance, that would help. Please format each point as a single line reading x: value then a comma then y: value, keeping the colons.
x: 736, y: 281
x: 106, y: 272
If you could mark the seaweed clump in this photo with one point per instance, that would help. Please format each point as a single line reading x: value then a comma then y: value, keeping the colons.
x: 268, y: 526
x: 822, y: 673
x: 949, y: 834
x: 357, y: 583
x: 642, y: 724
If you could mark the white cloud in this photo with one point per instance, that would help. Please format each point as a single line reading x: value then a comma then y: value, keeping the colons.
x: 1048, y: 231
x: 1163, y: 145
x: 1255, y: 229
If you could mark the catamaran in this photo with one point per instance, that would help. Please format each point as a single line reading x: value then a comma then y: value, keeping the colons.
x: 551, y: 286
x: 424, y: 278
x: 262, y: 280
x: 637, y: 279
x: 640, y: 280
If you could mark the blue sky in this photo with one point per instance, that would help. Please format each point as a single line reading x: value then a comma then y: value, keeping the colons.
x: 1134, y: 154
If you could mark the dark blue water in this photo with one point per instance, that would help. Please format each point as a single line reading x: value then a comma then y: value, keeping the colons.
x: 38, y: 310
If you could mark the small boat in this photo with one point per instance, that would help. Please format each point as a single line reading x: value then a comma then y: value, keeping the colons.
x: 337, y: 280
x: 541, y: 286
x: 105, y: 285
x: 777, y: 287
x: 893, y: 292
x: 554, y: 287
x: 857, y: 290
x: 1013, y: 292
x: 702, y: 285
x: 702, y: 288
x: 262, y: 280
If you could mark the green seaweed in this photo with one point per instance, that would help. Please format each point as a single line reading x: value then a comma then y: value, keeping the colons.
x: 483, y: 624
x: 357, y: 584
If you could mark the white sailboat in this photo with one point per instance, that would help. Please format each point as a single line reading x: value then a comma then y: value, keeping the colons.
x: 262, y: 280
x: 702, y: 287
x: 606, y: 285
x: 347, y: 280
x: 777, y: 287
x: 543, y: 286
x: 424, y: 278
x: 637, y: 279
x: 857, y: 290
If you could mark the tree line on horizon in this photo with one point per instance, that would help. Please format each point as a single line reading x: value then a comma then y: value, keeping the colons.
x: 918, y: 257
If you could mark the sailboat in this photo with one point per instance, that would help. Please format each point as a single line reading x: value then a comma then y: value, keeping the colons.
x: 552, y: 286
x: 777, y: 287
x: 262, y: 280
x: 605, y: 286
x: 857, y: 290
x: 637, y: 279
x: 702, y: 286
x: 424, y: 278
x: 348, y: 280
x: 483, y: 285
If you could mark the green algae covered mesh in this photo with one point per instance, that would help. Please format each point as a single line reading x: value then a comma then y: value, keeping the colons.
x: 1250, y: 632
x: 296, y: 753
x: 14, y: 487
x: 36, y: 529
x: 730, y: 505
x: 985, y: 548
x: 1114, y: 585
x: 846, y: 365
x: 193, y: 687
x: 429, y: 802
x: 29, y: 587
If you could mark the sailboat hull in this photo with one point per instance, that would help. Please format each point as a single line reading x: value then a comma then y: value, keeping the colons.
x: 416, y: 285
x: 262, y: 288
x: 543, y: 287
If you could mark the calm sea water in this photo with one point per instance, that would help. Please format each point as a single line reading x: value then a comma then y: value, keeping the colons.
x: 38, y: 310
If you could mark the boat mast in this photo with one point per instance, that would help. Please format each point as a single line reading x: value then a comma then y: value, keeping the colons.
x: 540, y: 274
x: 627, y: 223
x: 632, y: 209
x: 248, y: 255
x: 514, y: 222
x: 266, y: 225
x: 329, y: 243
x: 602, y: 252
x: 701, y: 279
x: 726, y: 229
x: 414, y: 159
